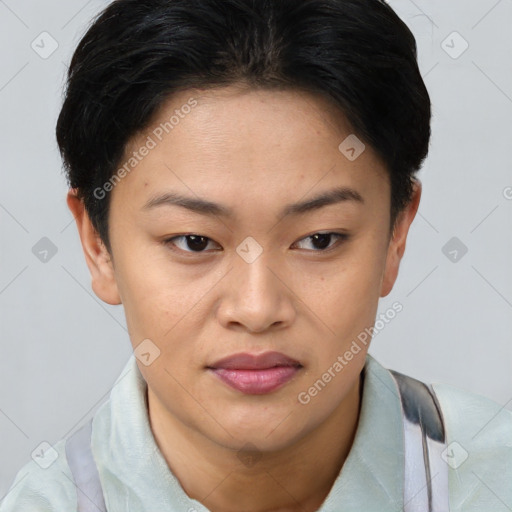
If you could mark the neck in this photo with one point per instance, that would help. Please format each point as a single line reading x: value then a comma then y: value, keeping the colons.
x: 297, y: 477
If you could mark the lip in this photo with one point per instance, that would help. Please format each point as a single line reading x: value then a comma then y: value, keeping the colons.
x: 246, y: 361
x: 256, y: 374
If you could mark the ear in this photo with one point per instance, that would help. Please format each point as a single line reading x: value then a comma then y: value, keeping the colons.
x: 97, y: 257
x: 396, y: 247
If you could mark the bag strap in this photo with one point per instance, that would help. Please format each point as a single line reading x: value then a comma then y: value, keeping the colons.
x: 426, y: 473
x: 84, y: 470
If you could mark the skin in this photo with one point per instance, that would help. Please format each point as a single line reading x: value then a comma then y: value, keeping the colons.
x: 254, y: 152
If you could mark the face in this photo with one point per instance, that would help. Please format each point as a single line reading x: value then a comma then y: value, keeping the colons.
x: 260, y: 267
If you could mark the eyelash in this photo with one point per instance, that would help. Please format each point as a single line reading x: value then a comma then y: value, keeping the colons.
x: 342, y: 237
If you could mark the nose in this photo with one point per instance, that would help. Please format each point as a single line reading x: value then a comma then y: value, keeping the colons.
x: 257, y: 296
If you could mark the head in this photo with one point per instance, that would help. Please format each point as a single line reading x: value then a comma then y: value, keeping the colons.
x: 283, y: 136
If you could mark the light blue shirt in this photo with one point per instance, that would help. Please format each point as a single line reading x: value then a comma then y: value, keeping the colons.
x: 135, y: 476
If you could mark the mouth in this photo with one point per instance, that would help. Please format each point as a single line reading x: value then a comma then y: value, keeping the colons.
x: 256, y: 374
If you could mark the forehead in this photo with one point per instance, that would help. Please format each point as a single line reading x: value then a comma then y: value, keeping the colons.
x: 247, y: 117
x: 240, y: 141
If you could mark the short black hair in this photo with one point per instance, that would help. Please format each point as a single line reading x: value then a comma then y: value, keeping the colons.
x: 358, y: 54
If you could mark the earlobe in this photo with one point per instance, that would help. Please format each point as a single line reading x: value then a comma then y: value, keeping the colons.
x: 96, y: 254
x: 396, y: 248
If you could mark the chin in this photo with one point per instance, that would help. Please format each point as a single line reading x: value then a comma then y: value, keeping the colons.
x: 258, y: 442
x: 266, y: 436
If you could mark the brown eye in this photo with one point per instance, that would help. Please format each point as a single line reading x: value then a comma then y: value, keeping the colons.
x: 321, y: 242
x: 192, y: 243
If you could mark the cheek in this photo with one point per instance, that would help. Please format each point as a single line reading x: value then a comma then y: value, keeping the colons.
x: 154, y: 296
x: 168, y: 304
x: 346, y: 293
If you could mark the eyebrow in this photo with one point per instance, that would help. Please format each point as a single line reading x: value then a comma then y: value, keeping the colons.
x: 204, y: 207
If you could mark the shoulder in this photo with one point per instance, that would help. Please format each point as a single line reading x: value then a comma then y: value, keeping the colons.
x: 481, y: 422
x: 479, y: 452
x: 43, y: 486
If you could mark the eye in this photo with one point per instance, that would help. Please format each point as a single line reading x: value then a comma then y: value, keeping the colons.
x: 322, y: 241
x: 192, y: 243
x: 197, y: 243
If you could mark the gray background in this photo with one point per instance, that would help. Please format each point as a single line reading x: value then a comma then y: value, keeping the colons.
x: 62, y: 348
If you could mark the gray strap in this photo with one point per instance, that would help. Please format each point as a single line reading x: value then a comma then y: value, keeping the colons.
x: 426, y: 474
x: 84, y: 470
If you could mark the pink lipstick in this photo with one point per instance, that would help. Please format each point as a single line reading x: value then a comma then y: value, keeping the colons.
x: 256, y: 374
